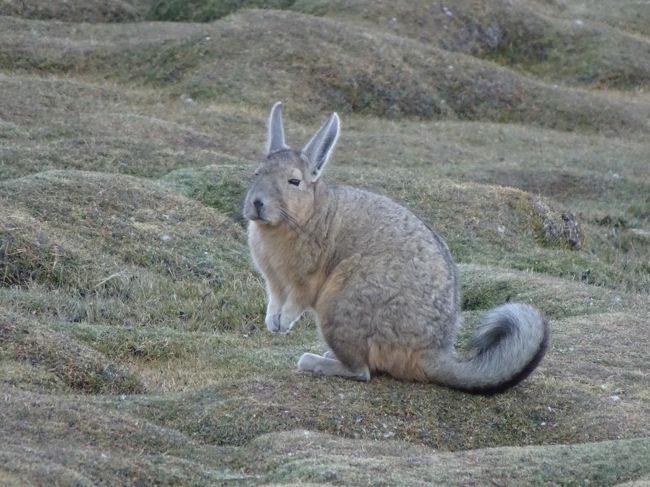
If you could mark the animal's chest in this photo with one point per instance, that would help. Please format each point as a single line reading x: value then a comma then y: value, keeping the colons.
x: 272, y: 254
x: 288, y: 260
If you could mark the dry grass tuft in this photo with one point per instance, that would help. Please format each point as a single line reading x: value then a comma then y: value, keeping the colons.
x: 49, y: 358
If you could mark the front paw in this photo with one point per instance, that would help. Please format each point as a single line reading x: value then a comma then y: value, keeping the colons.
x: 288, y: 318
x: 273, y: 322
x: 284, y: 320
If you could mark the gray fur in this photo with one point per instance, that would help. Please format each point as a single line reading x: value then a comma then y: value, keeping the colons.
x: 382, y: 285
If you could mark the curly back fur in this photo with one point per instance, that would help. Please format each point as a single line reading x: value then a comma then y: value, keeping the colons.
x: 382, y: 285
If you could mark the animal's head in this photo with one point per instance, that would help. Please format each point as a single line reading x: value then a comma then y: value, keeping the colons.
x: 285, y: 182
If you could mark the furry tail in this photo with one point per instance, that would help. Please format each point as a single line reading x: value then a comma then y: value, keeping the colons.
x: 508, y: 346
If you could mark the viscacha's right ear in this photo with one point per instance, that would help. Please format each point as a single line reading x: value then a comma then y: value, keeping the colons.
x: 275, y: 140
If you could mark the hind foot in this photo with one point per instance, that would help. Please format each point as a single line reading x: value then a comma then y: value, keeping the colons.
x: 331, y: 367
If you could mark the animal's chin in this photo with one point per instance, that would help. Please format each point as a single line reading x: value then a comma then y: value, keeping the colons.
x: 264, y: 217
x: 266, y: 221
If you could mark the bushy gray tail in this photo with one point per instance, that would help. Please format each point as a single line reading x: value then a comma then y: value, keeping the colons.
x: 507, y: 347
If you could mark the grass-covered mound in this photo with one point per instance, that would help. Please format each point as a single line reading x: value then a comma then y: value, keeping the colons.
x: 73, y: 10
x: 132, y: 344
x: 558, y: 43
x: 338, y: 64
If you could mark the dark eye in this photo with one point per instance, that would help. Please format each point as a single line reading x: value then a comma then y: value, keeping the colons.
x: 295, y: 182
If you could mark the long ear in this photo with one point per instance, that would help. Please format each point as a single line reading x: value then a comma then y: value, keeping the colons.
x: 319, y: 149
x: 275, y: 141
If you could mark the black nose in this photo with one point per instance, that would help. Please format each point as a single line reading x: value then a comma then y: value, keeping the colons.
x: 258, y: 204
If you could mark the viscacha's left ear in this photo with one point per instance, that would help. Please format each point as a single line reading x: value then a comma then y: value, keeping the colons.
x: 321, y: 146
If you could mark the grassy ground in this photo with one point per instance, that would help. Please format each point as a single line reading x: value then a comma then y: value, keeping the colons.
x: 132, y: 348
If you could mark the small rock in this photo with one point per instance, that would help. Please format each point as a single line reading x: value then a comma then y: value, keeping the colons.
x: 640, y: 232
x: 557, y: 228
x: 331, y: 476
x: 165, y: 238
x: 188, y: 100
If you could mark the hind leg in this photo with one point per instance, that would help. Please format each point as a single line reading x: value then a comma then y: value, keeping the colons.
x: 331, y: 367
x: 343, y: 359
x: 347, y: 352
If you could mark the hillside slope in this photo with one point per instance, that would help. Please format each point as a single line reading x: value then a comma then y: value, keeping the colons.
x: 318, y: 63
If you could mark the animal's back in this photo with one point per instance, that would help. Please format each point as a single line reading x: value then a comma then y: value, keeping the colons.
x: 400, y: 288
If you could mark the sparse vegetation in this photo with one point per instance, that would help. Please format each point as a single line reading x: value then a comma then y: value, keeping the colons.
x: 207, y: 10
x: 132, y: 344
